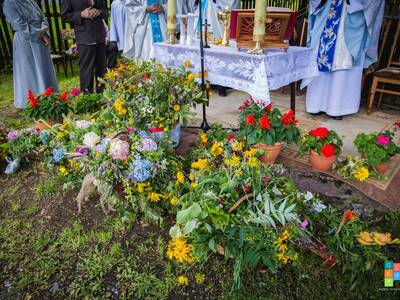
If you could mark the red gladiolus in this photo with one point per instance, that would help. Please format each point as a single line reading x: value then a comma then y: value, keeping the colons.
x: 230, y: 137
x: 265, y: 123
x: 328, y: 150
x: 33, y: 101
x: 289, y: 118
x: 319, y: 133
x: 250, y: 120
x: 349, y: 215
x: 64, y: 96
x: 146, y: 77
x: 48, y: 92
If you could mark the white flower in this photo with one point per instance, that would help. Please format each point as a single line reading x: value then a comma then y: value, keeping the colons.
x: 83, y: 124
x: 91, y: 139
x: 308, y: 196
x: 318, y: 206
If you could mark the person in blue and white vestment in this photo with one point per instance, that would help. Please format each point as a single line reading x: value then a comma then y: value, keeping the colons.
x: 117, y: 24
x: 146, y: 24
x: 344, y: 35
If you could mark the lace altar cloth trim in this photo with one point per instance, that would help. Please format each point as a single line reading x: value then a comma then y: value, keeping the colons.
x: 253, y: 74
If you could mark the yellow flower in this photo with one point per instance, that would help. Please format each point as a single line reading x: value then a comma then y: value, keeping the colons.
x: 190, y: 77
x: 119, y: 107
x: 60, y: 135
x: 250, y: 152
x: 180, y: 177
x: 194, y: 185
x: 282, y: 247
x: 361, y: 174
x: 201, y: 164
x: 141, y: 187
x: 180, y: 250
x: 203, y: 138
x: 253, y: 162
x: 200, y: 278
x: 216, y: 149
x: 133, y: 89
x: 63, y: 170
x: 233, y: 162
x: 282, y: 258
x: 237, y: 146
x: 183, y: 280
x: 187, y: 63
x: 154, y: 197
x: 174, y: 201
x: 177, y: 108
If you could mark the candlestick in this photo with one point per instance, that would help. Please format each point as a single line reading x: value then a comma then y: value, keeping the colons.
x: 171, y: 15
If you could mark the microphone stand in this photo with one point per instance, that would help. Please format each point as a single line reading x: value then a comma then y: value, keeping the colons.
x: 204, y: 124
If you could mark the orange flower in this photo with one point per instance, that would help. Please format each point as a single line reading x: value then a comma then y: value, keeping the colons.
x: 48, y: 92
x: 64, y: 96
x: 33, y: 101
x: 349, y: 215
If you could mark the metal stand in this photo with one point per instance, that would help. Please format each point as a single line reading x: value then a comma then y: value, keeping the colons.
x: 204, y: 124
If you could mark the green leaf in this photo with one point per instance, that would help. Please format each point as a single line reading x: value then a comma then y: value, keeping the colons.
x: 190, y: 226
x: 186, y: 215
x: 212, y: 245
x: 175, y: 231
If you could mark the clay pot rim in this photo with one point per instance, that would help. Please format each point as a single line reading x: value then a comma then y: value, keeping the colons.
x: 274, y: 145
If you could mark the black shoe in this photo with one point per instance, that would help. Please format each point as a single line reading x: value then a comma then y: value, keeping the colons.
x: 222, y: 93
x: 317, y: 114
x: 337, y: 118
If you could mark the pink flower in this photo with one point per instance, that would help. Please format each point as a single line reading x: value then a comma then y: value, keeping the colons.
x: 383, y: 140
x: 130, y: 129
x: 230, y: 137
x: 75, y: 92
x: 303, y: 225
x: 119, y: 150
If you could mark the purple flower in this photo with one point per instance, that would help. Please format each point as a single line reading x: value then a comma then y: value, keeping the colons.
x: 383, y: 140
x: 12, y: 135
x: 303, y: 225
x: 82, y: 150
x: 147, y: 144
x: 101, y: 170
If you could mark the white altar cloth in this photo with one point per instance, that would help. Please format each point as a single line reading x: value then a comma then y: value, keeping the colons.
x: 254, y: 74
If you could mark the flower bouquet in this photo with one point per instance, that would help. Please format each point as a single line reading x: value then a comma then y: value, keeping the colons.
x: 48, y: 108
x: 377, y: 148
x: 152, y: 98
x: 267, y: 128
x: 324, y: 146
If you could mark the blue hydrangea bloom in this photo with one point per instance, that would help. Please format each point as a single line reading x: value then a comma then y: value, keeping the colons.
x: 58, y: 154
x: 44, y: 137
x: 141, y: 170
x: 147, y: 144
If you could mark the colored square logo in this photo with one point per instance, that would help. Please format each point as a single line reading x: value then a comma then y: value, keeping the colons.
x: 388, y: 282
x: 396, y: 267
x: 388, y: 264
x: 388, y: 273
x: 396, y: 276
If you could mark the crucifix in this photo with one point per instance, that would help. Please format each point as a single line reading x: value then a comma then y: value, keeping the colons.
x: 206, y: 34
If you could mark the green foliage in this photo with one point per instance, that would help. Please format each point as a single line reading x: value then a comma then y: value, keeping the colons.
x: 374, y: 151
x: 311, y: 142
x: 26, y: 143
x: 87, y: 103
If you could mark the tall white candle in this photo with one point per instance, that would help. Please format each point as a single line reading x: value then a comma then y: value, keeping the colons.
x: 259, y: 20
x: 171, y: 15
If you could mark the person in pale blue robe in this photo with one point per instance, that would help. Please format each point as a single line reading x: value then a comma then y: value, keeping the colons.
x: 32, y: 65
x: 117, y: 24
x: 344, y: 35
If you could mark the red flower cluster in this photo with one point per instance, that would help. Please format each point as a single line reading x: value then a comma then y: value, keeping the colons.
x: 230, y: 137
x: 48, y: 92
x: 33, y: 101
x: 349, y: 215
x: 288, y: 119
x: 320, y: 133
x: 146, y: 77
x: 265, y: 123
x: 64, y: 96
x: 250, y: 120
x: 244, y: 105
x: 328, y: 150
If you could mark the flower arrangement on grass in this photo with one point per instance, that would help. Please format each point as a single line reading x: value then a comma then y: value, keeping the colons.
x: 49, y: 106
x: 377, y: 148
x: 324, y: 146
x: 267, y: 128
x: 149, y: 95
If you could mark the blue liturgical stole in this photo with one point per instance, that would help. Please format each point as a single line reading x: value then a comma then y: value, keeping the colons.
x: 327, y: 44
x: 155, y: 23
x: 203, y: 13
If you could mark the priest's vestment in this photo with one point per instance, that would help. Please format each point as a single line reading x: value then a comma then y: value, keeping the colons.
x: 344, y: 35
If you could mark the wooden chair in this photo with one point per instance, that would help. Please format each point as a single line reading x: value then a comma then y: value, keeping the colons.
x: 66, y: 35
x: 303, y: 35
x: 388, y: 75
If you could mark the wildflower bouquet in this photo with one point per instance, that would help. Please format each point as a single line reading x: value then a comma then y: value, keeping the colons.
x: 353, y: 168
x: 23, y: 143
x: 323, y: 141
x: 150, y: 95
x: 47, y: 106
x: 377, y: 147
x: 266, y: 125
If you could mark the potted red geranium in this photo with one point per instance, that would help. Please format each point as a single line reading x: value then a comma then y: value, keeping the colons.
x: 48, y: 108
x: 324, y: 147
x: 267, y: 129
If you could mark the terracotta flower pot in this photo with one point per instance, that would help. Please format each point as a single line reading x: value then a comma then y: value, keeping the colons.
x: 320, y: 162
x: 42, y: 126
x: 382, y: 168
x: 271, y: 152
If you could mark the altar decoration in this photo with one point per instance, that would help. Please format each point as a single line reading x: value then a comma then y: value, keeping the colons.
x: 224, y: 17
x: 267, y: 129
x: 171, y: 20
x: 278, y: 27
x: 324, y: 147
